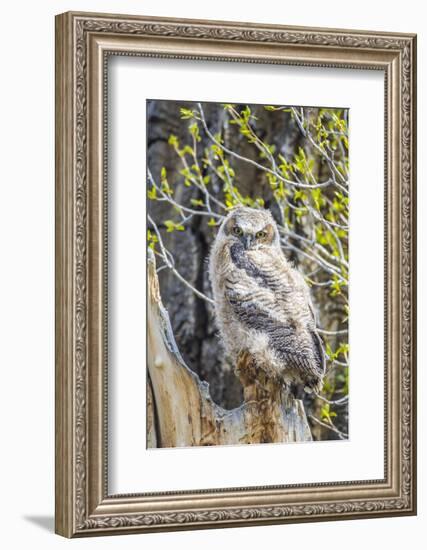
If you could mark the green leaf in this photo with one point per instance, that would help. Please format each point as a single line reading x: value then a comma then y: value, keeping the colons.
x: 173, y: 226
x: 316, y: 195
x: 173, y: 140
x: 152, y: 193
x: 170, y: 225
x: 218, y: 152
x: 194, y: 131
x: 165, y: 184
x: 300, y: 212
x: 218, y: 137
x: 186, y: 113
x: 197, y: 202
x: 186, y: 150
x: 246, y: 113
x: 325, y: 411
x: 336, y: 286
x: 268, y: 150
x: 152, y: 237
x: 299, y: 194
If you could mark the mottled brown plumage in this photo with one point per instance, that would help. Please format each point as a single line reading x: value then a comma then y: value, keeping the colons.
x: 262, y: 303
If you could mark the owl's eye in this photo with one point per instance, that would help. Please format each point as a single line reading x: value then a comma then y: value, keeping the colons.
x: 237, y: 231
x: 261, y: 235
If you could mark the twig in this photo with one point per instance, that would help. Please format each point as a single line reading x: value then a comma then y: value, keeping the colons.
x: 341, y: 435
x: 342, y: 401
x: 320, y: 261
x: 332, y: 332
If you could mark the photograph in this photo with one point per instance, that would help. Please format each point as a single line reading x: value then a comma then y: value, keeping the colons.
x: 248, y: 262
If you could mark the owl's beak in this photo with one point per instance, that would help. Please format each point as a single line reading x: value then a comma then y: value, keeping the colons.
x: 247, y: 241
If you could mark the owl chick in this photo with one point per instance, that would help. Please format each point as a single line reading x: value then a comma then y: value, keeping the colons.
x: 262, y: 303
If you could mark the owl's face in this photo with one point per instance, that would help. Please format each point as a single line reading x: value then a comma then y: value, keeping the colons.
x: 252, y: 228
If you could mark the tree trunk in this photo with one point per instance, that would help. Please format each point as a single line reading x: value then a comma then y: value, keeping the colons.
x: 180, y: 410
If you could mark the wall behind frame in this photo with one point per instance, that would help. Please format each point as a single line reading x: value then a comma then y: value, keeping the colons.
x: 27, y: 272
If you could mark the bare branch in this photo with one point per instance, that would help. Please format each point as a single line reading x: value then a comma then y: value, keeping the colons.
x: 342, y: 401
x: 332, y: 332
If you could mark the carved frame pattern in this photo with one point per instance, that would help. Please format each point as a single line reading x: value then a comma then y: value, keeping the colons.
x: 83, y: 506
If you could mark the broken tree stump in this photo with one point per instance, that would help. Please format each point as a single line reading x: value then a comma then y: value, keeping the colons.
x: 180, y: 410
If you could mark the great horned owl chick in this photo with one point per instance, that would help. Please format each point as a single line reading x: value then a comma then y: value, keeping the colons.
x: 262, y: 303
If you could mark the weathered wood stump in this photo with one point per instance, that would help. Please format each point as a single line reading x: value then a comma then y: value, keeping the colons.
x: 180, y: 411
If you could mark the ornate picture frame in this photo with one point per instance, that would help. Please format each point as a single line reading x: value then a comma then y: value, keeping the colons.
x: 83, y: 44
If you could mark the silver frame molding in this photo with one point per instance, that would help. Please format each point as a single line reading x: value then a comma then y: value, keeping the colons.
x: 83, y: 43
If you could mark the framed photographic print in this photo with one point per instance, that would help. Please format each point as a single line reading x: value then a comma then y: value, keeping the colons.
x: 235, y: 274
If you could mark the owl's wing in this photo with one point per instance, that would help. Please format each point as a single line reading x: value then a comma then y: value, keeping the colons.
x: 312, y: 339
x: 317, y: 340
x: 319, y: 351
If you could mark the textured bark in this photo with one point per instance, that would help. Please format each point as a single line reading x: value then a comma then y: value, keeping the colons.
x: 180, y: 410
